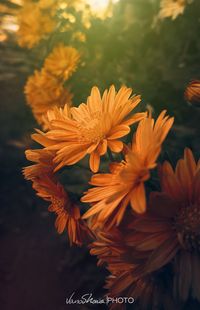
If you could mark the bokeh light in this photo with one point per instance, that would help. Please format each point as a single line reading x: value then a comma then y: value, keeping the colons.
x: 100, y: 6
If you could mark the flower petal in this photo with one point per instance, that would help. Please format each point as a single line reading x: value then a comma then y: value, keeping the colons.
x: 118, y: 132
x: 138, y: 199
x: 163, y: 254
x: 115, y: 146
x: 94, y: 161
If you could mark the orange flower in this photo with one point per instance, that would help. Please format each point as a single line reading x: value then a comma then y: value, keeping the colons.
x: 92, y: 128
x: 125, y: 182
x: 48, y: 188
x: 43, y: 92
x: 62, y: 62
x: 112, y: 251
x: 127, y: 277
x: 68, y: 214
x: 192, y: 92
x: 171, y: 228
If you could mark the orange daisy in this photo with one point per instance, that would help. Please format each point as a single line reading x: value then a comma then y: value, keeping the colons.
x: 68, y: 214
x: 127, y: 278
x: 171, y: 228
x: 125, y: 183
x: 48, y: 188
x: 92, y: 128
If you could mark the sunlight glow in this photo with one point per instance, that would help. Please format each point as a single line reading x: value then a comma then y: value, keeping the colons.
x: 100, y: 5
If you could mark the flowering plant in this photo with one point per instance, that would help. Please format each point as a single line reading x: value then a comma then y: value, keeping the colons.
x: 137, y: 213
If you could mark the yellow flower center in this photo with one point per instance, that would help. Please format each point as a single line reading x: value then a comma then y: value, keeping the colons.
x: 187, y: 224
x: 92, y: 129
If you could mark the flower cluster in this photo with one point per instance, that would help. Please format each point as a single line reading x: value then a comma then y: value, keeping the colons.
x: 38, y: 20
x: 140, y: 216
x: 149, y: 253
x: 48, y: 187
x: 144, y: 236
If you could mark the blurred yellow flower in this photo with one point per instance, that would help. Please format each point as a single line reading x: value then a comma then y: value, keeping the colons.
x: 34, y: 24
x: 171, y: 8
x: 79, y: 36
x: 62, y: 62
x: 43, y: 92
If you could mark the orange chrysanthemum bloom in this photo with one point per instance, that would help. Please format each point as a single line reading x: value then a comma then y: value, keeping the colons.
x: 127, y: 278
x: 171, y: 8
x: 62, y: 62
x: 34, y: 25
x: 48, y: 188
x: 43, y: 92
x: 192, y: 92
x: 93, y: 128
x: 68, y: 214
x: 125, y: 182
x: 171, y: 228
